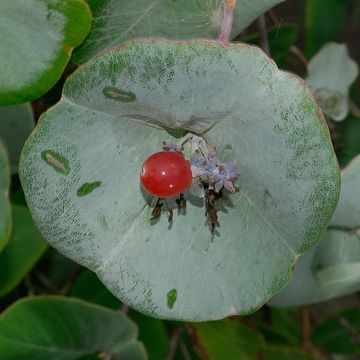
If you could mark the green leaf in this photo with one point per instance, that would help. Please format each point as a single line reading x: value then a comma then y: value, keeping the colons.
x: 340, y: 333
x: 350, y: 130
x: 54, y: 328
x: 286, y: 322
x: 88, y: 287
x: 5, y: 209
x: 16, y: 123
x: 347, y: 213
x: 284, y: 353
x: 330, y: 73
x: 264, y: 119
x: 226, y: 339
x: 153, y: 334
x: 30, y: 68
x: 331, y: 268
x: 116, y: 21
x: 280, y: 38
x: 25, y: 248
x: 323, y: 22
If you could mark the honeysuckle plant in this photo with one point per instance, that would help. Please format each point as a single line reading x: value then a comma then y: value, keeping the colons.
x: 330, y: 73
x: 84, y: 189
x: 191, y: 178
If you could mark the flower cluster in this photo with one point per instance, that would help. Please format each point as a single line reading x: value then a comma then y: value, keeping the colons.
x: 211, y: 172
x: 208, y: 171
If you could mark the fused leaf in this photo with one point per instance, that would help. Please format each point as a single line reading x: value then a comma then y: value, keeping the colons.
x: 25, y: 248
x: 116, y: 21
x: 330, y: 73
x: 30, y: 68
x: 265, y: 120
x: 54, y: 327
x: 16, y: 123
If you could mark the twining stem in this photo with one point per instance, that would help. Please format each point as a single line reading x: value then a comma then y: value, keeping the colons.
x: 264, y: 42
x: 226, y: 26
x: 174, y: 341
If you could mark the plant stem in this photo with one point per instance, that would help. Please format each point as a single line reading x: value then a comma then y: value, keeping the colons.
x: 227, y: 20
x: 174, y: 341
x: 264, y: 42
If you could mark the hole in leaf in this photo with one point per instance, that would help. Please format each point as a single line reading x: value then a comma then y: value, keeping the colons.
x: 119, y: 95
x: 56, y: 161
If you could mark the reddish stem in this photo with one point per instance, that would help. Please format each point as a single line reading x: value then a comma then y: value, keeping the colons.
x: 227, y: 20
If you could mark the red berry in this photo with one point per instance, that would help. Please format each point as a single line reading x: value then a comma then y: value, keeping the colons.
x: 165, y: 174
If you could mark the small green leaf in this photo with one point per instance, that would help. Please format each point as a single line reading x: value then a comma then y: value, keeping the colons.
x: 340, y: 333
x: 16, y: 123
x: 280, y: 38
x: 116, y: 21
x: 226, y: 339
x: 30, y: 68
x: 5, y: 210
x: 265, y: 119
x: 330, y: 73
x: 323, y: 22
x: 25, y: 248
x: 331, y: 268
x: 57, y: 328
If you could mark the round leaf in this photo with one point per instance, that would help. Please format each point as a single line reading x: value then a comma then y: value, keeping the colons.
x: 30, y: 66
x: 5, y: 211
x: 331, y: 72
x: 118, y: 20
x: 61, y: 328
x: 264, y: 119
x: 16, y: 123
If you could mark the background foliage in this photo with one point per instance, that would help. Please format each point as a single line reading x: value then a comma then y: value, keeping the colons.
x: 53, y: 308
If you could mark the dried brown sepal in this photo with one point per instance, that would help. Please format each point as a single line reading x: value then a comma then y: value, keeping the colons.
x: 156, y: 213
x: 210, y: 206
x: 181, y: 203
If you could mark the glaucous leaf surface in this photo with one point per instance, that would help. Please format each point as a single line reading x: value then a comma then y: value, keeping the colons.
x: 226, y: 339
x: 54, y: 327
x: 16, y: 123
x: 265, y: 119
x: 5, y: 209
x: 116, y: 21
x: 340, y: 333
x: 37, y: 39
x: 25, y: 248
x: 330, y: 73
x: 332, y: 267
x: 324, y: 20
